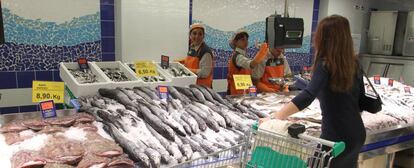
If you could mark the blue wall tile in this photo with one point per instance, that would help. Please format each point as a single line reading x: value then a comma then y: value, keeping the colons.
x: 9, y: 110
x: 108, y: 29
x: 225, y: 71
x: 107, y: 12
x: 108, y: 44
x: 25, y: 79
x: 44, y: 75
x: 31, y: 108
x: 107, y: 2
x: 108, y: 57
x: 56, y: 76
x: 218, y: 73
x: 8, y: 80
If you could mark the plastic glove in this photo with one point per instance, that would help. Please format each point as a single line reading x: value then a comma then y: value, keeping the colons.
x: 195, y: 71
x: 261, y: 54
x: 181, y: 60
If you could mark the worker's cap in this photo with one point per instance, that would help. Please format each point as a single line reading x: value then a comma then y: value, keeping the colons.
x: 237, y: 36
x: 196, y: 26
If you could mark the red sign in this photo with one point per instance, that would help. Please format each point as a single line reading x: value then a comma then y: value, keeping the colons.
x: 390, y: 82
x: 377, y: 79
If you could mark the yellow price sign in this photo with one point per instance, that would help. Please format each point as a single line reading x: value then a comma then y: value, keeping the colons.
x: 242, y: 82
x: 145, y: 68
x: 45, y: 90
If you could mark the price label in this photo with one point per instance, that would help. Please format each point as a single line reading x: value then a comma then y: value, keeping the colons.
x: 242, y: 82
x: 407, y: 90
x: 163, y: 92
x: 47, y: 108
x: 377, y: 79
x: 165, y: 61
x: 45, y: 90
x: 83, y: 63
x: 253, y: 91
x: 145, y: 68
x: 390, y: 82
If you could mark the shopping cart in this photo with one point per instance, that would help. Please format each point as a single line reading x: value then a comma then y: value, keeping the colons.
x: 264, y: 149
x: 272, y: 150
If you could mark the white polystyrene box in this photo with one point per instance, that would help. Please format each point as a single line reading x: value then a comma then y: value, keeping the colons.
x: 134, y: 81
x: 79, y: 89
x: 161, y: 72
x: 180, y: 81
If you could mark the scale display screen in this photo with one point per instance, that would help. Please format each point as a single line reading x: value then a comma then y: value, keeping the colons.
x: 293, y: 34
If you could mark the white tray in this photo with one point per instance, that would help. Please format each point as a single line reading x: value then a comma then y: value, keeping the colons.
x: 180, y: 81
x: 161, y: 72
x: 134, y: 81
x: 82, y: 89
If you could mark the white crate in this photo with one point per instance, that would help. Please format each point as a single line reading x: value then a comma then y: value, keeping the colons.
x: 82, y: 89
x: 180, y: 81
x: 134, y: 81
x: 161, y: 72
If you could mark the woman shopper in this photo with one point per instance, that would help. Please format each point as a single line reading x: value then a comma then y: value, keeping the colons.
x: 337, y: 82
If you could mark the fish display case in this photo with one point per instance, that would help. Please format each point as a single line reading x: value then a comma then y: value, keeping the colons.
x: 152, y: 81
x: 82, y: 83
x: 118, y: 74
x: 179, y: 74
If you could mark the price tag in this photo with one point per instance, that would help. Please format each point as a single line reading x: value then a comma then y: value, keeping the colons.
x: 83, y: 63
x: 47, y: 108
x: 165, y: 61
x: 242, y: 82
x: 253, y: 91
x: 377, y: 79
x: 390, y: 82
x: 145, y: 68
x: 163, y: 92
x: 407, y: 90
x: 44, y: 90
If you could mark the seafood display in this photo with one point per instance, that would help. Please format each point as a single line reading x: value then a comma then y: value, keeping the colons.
x: 159, y: 78
x: 83, y: 76
x: 71, y: 141
x: 191, y: 123
x: 396, y: 109
x: 115, y: 74
x: 176, y: 71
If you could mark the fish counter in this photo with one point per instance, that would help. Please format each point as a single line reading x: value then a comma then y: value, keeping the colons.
x: 133, y: 125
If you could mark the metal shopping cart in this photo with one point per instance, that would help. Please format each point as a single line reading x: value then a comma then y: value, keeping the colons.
x: 272, y: 150
x: 264, y: 149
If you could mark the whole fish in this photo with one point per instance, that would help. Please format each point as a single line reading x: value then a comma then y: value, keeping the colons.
x: 216, y: 96
x: 142, y: 94
x: 223, y: 113
x: 249, y: 114
x: 201, y: 123
x: 156, y: 123
x: 186, y: 150
x: 205, y: 92
x: 167, y: 145
x: 187, y: 92
x: 177, y: 95
x: 208, y: 147
x: 217, y: 117
x: 161, y: 114
x: 155, y: 157
x: 131, y: 95
x: 194, y: 145
x: 112, y: 118
x: 211, y: 123
x: 117, y: 95
x: 190, y: 121
x: 151, y: 93
x: 135, y: 153
x: 100, y: 103
x: 198, y: 94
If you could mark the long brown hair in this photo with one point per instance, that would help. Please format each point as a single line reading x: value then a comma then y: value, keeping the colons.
x: 333, y: 43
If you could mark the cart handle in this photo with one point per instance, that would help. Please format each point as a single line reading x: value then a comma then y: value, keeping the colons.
x: 337, y: 147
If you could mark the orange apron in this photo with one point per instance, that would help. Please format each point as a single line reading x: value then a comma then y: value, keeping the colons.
x: 233, y: 69
x: 192, y: 61
x: 275, y: 68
